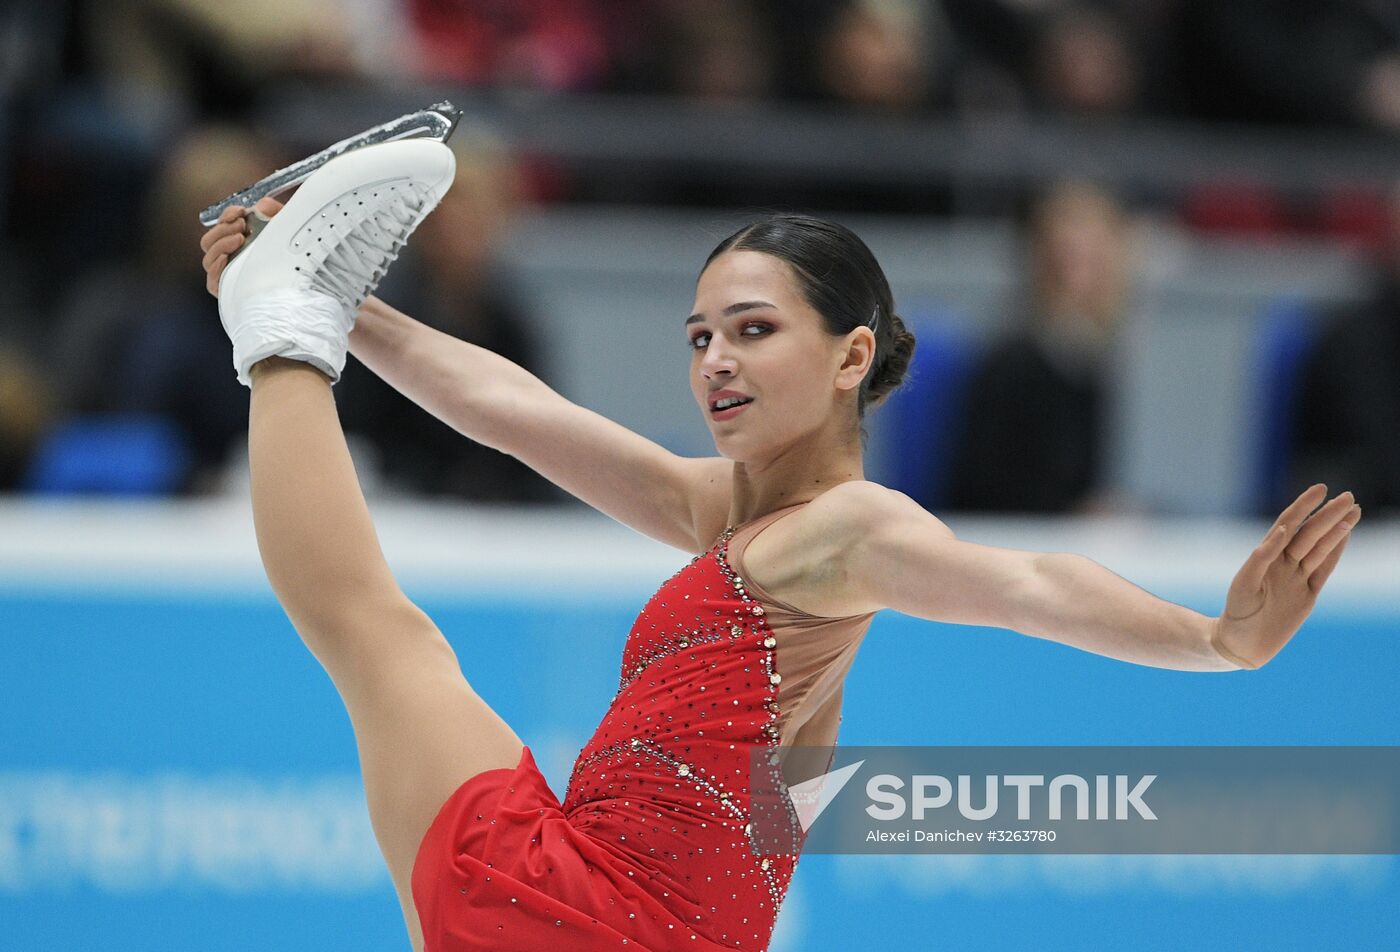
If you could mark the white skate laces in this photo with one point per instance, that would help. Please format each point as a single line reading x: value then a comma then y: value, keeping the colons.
x: 294, y: 290
x: 349, y: 246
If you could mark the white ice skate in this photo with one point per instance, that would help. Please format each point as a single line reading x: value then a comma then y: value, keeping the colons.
x: 294, y: 288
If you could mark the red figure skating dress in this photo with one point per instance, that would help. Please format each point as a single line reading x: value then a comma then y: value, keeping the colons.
x: 650, y: 848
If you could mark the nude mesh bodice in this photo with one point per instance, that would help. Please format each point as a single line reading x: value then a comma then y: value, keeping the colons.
x: 814, y: 654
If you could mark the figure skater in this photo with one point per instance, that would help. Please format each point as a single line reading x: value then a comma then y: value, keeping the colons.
x: 793, y: 336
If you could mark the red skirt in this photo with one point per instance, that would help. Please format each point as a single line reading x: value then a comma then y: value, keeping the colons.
x: 502, y: 868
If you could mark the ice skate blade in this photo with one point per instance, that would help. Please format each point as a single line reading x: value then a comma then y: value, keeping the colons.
x: 436, y: 122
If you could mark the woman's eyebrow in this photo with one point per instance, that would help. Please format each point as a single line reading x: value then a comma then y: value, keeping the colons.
x: 731, y: 309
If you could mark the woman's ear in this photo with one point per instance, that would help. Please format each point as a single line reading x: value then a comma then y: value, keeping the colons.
x: 856, y: 359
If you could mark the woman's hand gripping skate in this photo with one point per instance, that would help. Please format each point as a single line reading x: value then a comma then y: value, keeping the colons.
x: 297, y: 329
x: 221, y: 242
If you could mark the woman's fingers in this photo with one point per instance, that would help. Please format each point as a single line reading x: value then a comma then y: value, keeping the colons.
x: 216, y: 259
x: 214, y: 234
x: 212, y: 273
x: 1329, y: 542
x: 226, y: 245
x: 221, y: 240
x: 222, y: 229
x: 1317, y: 526
x: 1319, y: 576
x: 1251, y: 576
x: 1299, y: 508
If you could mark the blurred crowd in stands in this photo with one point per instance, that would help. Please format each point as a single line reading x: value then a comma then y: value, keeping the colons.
x: 167, y: 59
x: 120, y: 118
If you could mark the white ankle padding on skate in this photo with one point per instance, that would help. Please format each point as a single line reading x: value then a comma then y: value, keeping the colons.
x: 296, y: 323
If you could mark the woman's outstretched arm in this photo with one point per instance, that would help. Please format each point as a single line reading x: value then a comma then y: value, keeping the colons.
x: 677, y: 500
x: 500, y: 404
x: 314, y: 532
x: 898, y: 556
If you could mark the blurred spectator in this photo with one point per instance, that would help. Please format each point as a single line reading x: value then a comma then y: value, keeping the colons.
x: 1291, y: 61
x: 161, y: 63
x: 718, y: 50
x: 451, y: 279
x: 25, y: 411
x: 112, y: 86
x: 885, y: 56
x: 1347, y: 430
x: 1085, y: 65
x: 1074, y: 57
x: 143, y: 336
x: 997, y: 38
x: 552, y: 45
x: 1033, y: 438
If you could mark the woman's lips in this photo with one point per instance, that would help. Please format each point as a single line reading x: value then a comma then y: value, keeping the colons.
x: 730, y: 412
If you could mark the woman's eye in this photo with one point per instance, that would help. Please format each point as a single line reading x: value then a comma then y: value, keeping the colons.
x: 702, y: 339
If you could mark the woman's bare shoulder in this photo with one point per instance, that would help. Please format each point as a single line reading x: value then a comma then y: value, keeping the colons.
x: 811, y: 559
x: 854, y: 508
x: 804, y: 559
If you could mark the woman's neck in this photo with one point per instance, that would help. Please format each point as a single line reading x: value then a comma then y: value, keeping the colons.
x: 786, y: 480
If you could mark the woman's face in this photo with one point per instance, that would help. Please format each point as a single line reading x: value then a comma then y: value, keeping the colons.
x: 752, y: 334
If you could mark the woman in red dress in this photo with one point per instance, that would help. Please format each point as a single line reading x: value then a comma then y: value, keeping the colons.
x: 793, y: 336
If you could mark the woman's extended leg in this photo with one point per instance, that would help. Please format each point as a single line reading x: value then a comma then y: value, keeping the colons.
x: 420, y: 728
